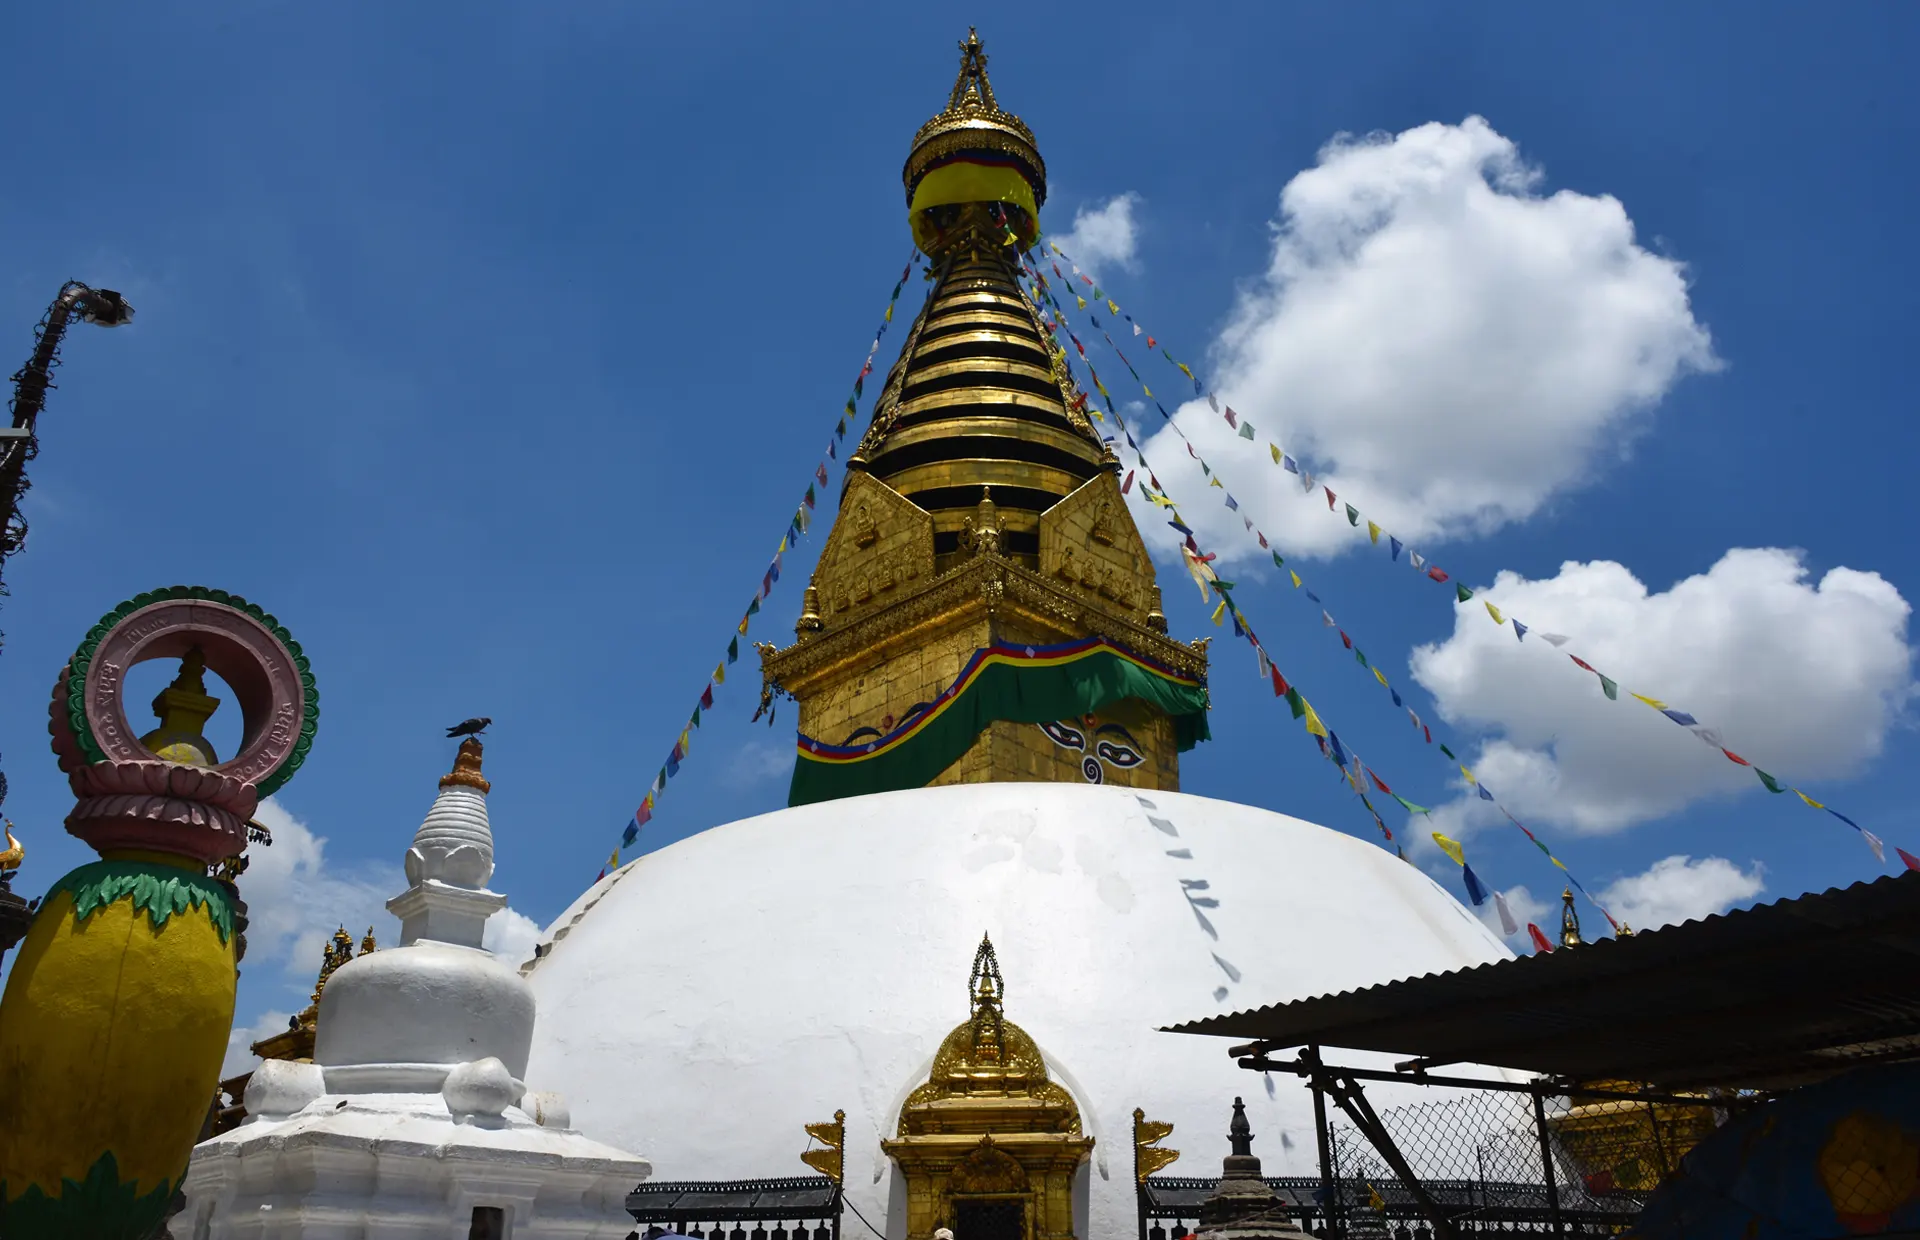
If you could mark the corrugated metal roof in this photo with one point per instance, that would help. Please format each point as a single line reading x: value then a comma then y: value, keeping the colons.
x: 801, y: 1197
x: 1759, y: 996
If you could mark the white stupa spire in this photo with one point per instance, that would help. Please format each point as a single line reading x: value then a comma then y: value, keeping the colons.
x: 450, y: 861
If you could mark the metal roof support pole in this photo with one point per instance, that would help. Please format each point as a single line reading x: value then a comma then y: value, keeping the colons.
x: 1546, y: 1163
x: 1329, y: 1194
x: 1353, y: 1100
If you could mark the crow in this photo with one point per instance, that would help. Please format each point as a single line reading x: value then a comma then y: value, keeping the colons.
x: 471, y: 727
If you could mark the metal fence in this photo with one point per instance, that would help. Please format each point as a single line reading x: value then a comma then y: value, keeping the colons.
x: 1476, y: 1159
x: 796, y: 1208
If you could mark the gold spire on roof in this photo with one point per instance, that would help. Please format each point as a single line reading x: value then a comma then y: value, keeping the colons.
x: 183, y: 709
x: 1569, y: 921
x: 466, y: 769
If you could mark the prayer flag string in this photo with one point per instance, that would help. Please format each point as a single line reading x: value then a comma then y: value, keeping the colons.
x: 1244, y: 429
x: 1200, y: 567
x: 797, y: 527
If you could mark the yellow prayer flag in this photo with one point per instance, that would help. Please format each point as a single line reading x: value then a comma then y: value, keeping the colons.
x: 1218, y: 612
x: 1382, y: 679
x: 783, y: 544
x: 889, y: 317
x: 1112, y: 306
x: 1656, y: 703
x: 1081, y: 300
x: 1184, y: 370
x: 1374, y: 1200
x: 1147, y: 390
x: 1314, y: 726
x: 683, y: 739
x: 1373, y: 532
x: 1809, y: 800
x: 1290, y: 573
x: 1275, y: 449
x: 1494, y: 612
x: 1451, y: 848
x: 1216, y: 483
x: 1469, y: 775
x: 1557, y: 862
x: 719, y: 673
x: 743, y: 625
x: 613, y: 859
x: 1103, y: 392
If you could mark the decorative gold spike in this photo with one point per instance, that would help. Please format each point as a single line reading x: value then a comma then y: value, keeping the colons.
x: 1148, y: 1157
x: 829, y: 1161
x: 466, y: 768
x: 367, y: 944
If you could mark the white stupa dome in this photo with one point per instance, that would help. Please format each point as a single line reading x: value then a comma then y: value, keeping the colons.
x: 706, y: 1001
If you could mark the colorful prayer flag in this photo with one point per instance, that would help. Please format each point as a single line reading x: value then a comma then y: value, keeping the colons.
x: 1507, y: 924
x: 1539, y: 940
x: 1451, y: 848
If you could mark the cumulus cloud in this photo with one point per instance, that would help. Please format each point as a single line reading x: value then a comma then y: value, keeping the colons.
x: 511, y: 935
x: 1103, y: 236
x: 756, y: 762
x: 1437, y: 337
x: 1803, y: 678
x: 1679, y: 888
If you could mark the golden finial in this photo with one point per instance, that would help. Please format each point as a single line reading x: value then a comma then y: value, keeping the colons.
x: 367, y: 944
x: 1569, y: 921
x: 183, y: 709
x: 16, y: 853
x: 466, y: 768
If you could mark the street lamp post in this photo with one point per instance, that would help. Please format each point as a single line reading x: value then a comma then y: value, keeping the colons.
x: 18, y: 441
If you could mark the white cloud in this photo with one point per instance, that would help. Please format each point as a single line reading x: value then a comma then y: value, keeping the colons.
x: 240, y: 1057
x: 1802, y: 678
x: 1437, y: 337
x: 1524, y: 907
x: 296, y: 898
x: 756, y: 762
x: 1105, y: 235
x: 1678, y: 888
x: 511, y: 936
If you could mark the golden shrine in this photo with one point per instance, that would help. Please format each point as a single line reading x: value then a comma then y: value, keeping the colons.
x: 989, y: 1143
x: 982, y: 505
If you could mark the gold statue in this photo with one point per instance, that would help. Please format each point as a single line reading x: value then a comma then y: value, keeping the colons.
x: 10, y: 860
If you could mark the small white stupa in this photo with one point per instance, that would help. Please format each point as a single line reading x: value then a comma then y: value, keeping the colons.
x: 414, y: 1118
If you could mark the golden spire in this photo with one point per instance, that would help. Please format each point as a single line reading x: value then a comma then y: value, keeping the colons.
x: 466, y: 769
x: 183, y: 709
x: 1569, y: 920
x: 367, y: 944
x: 974, y: 174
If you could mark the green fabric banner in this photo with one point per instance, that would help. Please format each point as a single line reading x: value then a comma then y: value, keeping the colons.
x: 1015, y: 684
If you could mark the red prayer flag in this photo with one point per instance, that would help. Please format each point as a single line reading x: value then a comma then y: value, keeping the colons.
x: 1736, y: 757
x: 1580, y: 662
x: 706, y: 699
x: 1913, y: 862
x: 820, y: 472
x: 1127, y: 486
x: 1152, y: 343
x: 1539, y: 939
x: 1280, y: 689
x: 642, y: 815
x: 1436, y: 574
x: 1263, y: 540
x: 1429, y: 731
x: 1329, y: 491
x: 1345, y: 640
x: 1379, y: 783
x: 1229, y: 416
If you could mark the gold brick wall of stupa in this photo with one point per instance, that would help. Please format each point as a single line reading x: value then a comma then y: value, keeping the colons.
x: 981, y: 505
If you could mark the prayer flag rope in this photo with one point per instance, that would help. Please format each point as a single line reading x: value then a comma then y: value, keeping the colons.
x: 1199, y: 566
x: 797, y: 526
x: 1608, y: 686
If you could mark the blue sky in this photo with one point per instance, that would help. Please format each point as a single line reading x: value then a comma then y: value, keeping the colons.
x: 492, y: 354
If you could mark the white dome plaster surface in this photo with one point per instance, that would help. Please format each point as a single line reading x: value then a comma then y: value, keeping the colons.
x: 710, y: 998
x: 427, y: 1003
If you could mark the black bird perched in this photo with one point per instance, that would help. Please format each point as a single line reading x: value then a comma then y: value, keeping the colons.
x: 471, y: 727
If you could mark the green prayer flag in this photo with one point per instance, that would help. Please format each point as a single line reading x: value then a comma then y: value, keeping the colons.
x: 1353, y: 516
x: 753, y: 608
x: 1418, y: 809
x: 1246, y: 430
x: 809, y: 495
x: 1204, y: 470
x: 1610, y: 688
x: 1449, y: 753
x: 1462, y: 591
x: 1296, y: 703
x: 1773, y: 785
x: 1277, y: 561
x: 733, y: 650
x: 695, y: 721
x: 1361, y: 655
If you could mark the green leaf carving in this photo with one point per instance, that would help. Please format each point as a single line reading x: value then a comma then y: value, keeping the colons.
x: 160, y: 891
